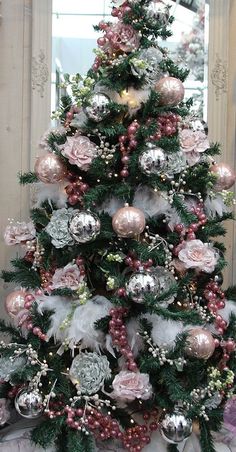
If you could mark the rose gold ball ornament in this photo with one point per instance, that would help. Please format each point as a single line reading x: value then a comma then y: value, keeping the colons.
x: 200, y: 343
x: 171, y: 91
x: 50, y: 169
x: 225, y: 176
x: 128, y: 222
x: 15, y: 302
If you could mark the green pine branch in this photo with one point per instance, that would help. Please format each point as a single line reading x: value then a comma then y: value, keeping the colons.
x: 186, y: 217
x: 27, y: 178
x: 45, y: 434
x: 39, y: 217
x: 206, y: 439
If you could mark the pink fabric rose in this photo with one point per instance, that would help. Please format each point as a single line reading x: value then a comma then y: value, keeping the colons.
x: 196, y: 254
x: 19, y: 233
x: 80, y: 151
x: 129, y: 386
x: 67, y: 277
x: 122, y: 37
x: 193, y: 143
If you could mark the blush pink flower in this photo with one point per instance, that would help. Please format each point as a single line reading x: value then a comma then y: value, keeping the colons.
x: 129, y: 386
x: 199, y: 255
x: 193, y: 143
x: 80, y: 151
x: 67, y: 277
x: 122, y: 37
x: 19, y: 233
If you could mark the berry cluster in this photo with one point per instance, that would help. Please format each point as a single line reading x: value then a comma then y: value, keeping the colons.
x: 128, y: 142
x: 167, y: 125
x: 136, y: 264
x: 216, y: 301
x: 75, y: 189
x: 182, y: 230
x: 70, y: 115
x: 135, y: 438
x: 102, y: 425
x: 118, y: 333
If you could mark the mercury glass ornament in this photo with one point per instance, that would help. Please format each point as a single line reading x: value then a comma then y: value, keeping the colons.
x: 140, y: 284
x: 225, y: 176
x: 128, y: 222
x: 154, y: 160
x: 175, y: 427
x: 50, y: 169
x: 157, y: 11
x: 15, y: 302
x: 199, y: 343
x: 29, y: 403
x: 171, y: 91
x: 98, y: 109
x: 84, y: 226
x: 148, y: 67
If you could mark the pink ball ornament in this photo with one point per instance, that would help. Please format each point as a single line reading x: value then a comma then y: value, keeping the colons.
x: 128, y: 222
x: 200, y: 343
x: 50, y: 169
x: 15, y: 302
x: 171, y: 91
x: 225, y: 176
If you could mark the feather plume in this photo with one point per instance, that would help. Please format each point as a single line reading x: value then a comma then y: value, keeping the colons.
x: 49, y: 192
x: 150, y: 202
x: 215, y: 206
x: 164, y: 332
x: 111, y: 205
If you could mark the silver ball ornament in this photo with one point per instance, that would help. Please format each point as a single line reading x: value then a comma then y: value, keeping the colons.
x: 157, y: 11
x: 141, y: 284
x: 98, y: 109
x: 84, y: 226
x: 175, y: 427
x: 154, y: 160
x: 29, y: 403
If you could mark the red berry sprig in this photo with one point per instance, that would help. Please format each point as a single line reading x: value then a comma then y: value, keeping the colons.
x: 216, y: 301
x: 75, y: 191
x: 167, y: 125
x: 118, y: 333
x: 189, y: 231
x: 136, y: 264
x: 136, y: 438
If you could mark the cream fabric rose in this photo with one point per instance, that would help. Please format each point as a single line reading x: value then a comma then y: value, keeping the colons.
x: 199, y: 255
x: 68, y: 277
x: 128, y: 386
x: 19, y: 233
x: 80, y: 151
x: 193, y: 143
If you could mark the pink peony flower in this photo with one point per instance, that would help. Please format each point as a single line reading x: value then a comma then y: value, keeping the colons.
x: 19, y: 233
x: 122, y: 37
x: 129, y: 386
x: 199, y: 255
x: 67, y: 277
x: 80, y: 151
x: 193, y: 143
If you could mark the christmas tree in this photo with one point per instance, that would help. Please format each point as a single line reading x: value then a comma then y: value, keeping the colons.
x: 122, y: 335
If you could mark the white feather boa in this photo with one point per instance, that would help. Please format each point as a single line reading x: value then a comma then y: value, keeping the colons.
x: 215, y: 206
x: 49, y: 192
x: 81, y: 327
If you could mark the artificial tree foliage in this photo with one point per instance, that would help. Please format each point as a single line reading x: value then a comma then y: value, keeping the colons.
x: 73, y: 305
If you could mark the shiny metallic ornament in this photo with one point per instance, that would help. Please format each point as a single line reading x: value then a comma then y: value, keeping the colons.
x: 171, y: 91
x: 128, y: 222
x: 50, y: 169
x: 175, y: 427
x: 84, y: 226
x: 157, y: 11
x: 199, y: 343
x: 146, y: 64
x: 141, y: 284
x: 225, y: 176
x: 154, y: 160
x: 29, y: 403
x: 15, y: 302
x: 98, y: 109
